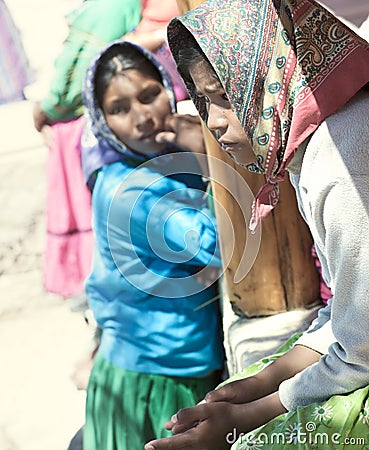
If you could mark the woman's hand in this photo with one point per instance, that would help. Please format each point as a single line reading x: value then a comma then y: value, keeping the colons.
x: 216, y: 426
x: 204, y: 427
x: 39, y: 117
x: 47, y: 135
x: 43, y: 123
x: 185, y: 131
x: 238, y: 407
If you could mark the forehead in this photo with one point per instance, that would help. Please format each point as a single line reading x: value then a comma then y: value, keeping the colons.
x: 129, y: 83
x: 204, y: 77
x: 133, y: 75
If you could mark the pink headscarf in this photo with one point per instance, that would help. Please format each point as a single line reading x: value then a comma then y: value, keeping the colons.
x: 286, y: 65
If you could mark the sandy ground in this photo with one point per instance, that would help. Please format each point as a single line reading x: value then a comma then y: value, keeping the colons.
x: 40, y: 338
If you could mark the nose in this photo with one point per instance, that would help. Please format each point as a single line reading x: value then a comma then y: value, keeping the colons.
x: 217, y: 120
x: 142, y: 117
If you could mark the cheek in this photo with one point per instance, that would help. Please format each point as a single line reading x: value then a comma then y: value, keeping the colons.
x: 240, y: 132
x: 118, y: 125
x: 162, y: 107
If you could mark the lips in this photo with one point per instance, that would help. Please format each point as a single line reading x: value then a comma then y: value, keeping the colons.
x: 149, y: 136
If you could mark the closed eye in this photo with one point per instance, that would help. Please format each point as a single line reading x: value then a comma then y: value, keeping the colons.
x: 118, y: 107
x: 149, y: 94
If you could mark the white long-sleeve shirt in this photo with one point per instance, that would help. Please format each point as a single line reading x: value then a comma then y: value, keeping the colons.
x: 333, y: 194
x: 355, y: 11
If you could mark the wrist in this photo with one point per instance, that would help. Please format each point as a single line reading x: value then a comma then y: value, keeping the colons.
x: 265, y: 409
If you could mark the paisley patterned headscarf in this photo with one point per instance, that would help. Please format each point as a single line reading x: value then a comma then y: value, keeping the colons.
x: 286, y: 65
x: 99, y: 145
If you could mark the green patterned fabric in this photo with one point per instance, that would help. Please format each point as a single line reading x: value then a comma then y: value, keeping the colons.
x: 342, y: 422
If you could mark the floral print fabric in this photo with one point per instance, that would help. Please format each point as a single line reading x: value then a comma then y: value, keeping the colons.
x: 342, y: 422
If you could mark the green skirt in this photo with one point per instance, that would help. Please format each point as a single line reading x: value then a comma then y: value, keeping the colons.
x: 342, y: 422
x: 124, y: 409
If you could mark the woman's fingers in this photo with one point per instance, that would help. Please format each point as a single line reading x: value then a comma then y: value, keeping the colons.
x: 166, y: 136
x: 211, y: 426
x: 178, y: 442
x: 235, y: 392
x: 187, y: 418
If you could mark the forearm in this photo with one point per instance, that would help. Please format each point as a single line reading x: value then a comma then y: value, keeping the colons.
x: 251, y: 403
x: 257, y: 413
x: 268, y: 380
x: 151, y: 40
x: 288, y: 365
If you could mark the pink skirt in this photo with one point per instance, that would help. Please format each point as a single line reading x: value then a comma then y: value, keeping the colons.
x: 69, y: 239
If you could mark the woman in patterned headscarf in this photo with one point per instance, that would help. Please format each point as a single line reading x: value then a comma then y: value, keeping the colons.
x: 279, y: 83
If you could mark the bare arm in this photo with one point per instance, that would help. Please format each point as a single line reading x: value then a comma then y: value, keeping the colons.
x: 268, y: 380
x: 215, y: 426
x: 238, y: 407
x: 151, y: 40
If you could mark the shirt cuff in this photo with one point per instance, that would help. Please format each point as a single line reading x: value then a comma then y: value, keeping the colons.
x: 318, y: 340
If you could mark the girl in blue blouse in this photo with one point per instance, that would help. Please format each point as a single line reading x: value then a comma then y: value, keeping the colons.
x: 161, y: 345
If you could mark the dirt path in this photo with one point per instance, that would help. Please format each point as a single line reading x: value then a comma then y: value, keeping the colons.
x: 40, y: 338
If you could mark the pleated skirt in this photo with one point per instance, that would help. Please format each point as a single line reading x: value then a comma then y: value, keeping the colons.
x: 125, y: 409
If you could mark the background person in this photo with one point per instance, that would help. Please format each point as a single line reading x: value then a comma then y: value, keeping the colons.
x: 59, y: 117
x: 15, y: 70
x: 161, y: 346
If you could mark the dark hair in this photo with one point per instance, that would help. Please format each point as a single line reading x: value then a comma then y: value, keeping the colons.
x: 117, y: 59
x: 189, y: 53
